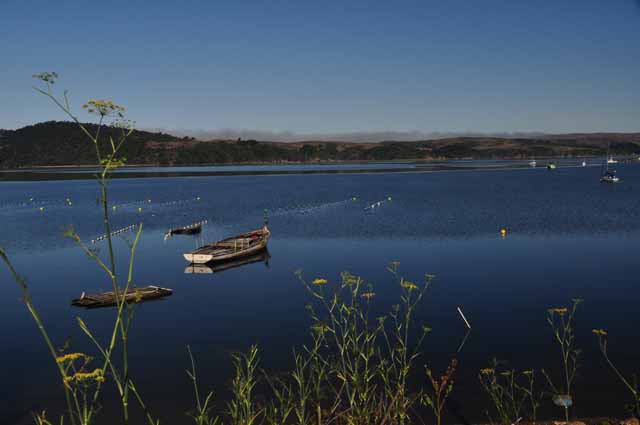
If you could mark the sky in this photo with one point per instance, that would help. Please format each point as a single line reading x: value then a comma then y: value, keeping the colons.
x: 326, y: 67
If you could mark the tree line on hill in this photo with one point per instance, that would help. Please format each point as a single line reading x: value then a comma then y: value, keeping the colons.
x: 57, y: 143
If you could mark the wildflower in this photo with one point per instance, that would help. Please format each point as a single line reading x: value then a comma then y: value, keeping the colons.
x: 319, y: 281
x: 321, y: 328
x: 599, y: 332
x: 69, y: 357
x: 409, y: 285
x: 487, y: 371
x: 349, y: 279
x: 103, y: 108
x: 47, y: 77
x: 368, y: 295
x: 85, y: 377
x: 559, y: 311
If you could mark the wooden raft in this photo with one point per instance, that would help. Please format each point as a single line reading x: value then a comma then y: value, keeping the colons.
x: 106, y: 299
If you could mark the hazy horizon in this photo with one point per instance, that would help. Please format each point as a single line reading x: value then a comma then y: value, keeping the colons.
x: 347, y: 136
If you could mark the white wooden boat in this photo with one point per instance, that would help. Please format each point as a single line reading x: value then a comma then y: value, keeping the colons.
x: 231, y: 248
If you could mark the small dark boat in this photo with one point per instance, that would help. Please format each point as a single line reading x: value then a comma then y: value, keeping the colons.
x: 106, y: 299
x: 231, y: 264
x: 186, y: 230
x: 607, y: 175
x: 231, y: 248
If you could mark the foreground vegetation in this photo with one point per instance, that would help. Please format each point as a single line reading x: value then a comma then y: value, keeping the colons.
x: 358, y: 367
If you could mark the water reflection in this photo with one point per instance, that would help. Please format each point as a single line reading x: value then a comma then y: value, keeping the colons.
x: 210, y: 268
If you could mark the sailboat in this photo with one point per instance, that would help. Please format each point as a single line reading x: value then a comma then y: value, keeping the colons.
x: 609, y: 176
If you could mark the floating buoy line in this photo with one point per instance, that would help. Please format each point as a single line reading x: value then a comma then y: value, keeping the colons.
x: 310, y: 207
x: 378, y: 204
x: 39, y: 204
x: 114, y: 233
x: 149, y: 201
x: 305, y: 208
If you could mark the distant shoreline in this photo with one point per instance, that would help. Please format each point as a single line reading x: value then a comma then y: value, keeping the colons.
x: 41, y: 174
x: 414, y: 161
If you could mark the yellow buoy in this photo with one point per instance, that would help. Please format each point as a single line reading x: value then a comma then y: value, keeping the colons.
x: 503, y: 232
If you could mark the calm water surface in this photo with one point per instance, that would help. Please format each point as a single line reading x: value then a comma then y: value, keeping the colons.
x: 569, y: 236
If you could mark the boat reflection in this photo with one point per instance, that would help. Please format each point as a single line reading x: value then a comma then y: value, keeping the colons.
x: 262, y: 256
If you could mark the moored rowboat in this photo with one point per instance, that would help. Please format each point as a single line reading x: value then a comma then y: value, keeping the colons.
x: 106, y: 299
x: 234, y: 247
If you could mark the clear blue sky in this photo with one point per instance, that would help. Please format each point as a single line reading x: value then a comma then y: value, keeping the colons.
x: 331, y: 66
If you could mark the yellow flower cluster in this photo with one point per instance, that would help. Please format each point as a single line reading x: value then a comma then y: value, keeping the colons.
x: 368, y: 295
x: 103, y: 108
x: 69, y: 357
x: 599, y: 332
x: 408, y: 285
x: 349, y: 279
x: 321, y: 328
x: 319, y: 281
x: 487, y: 371
x: 560, y: 311
x: 78, y: 377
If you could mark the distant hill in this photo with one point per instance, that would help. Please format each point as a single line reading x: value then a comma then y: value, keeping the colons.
x: 62, y: 143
